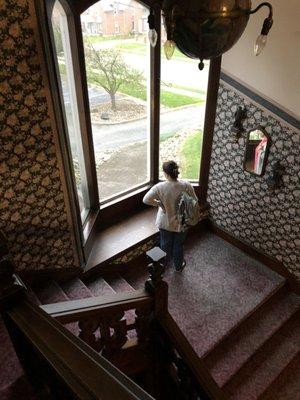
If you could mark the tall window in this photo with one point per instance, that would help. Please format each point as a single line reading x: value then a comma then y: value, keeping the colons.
x: 183, y: 100
x: 66, y: 74
x: 115, y: 134
x: 118, y: 81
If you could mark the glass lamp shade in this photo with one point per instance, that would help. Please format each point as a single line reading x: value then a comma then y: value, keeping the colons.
x: 169, y: 48
x: 152, y: 36
x: 205, y: 29
x: 260, y: 44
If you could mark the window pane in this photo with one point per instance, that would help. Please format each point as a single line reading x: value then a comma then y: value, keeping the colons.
x: 183, y: 100
x: 64, y: 58
x: 117, y: 64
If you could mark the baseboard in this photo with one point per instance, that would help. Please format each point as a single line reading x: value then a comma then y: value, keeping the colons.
x: 35, y: 277
x: 268, y: 261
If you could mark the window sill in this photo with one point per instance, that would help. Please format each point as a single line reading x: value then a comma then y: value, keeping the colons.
x: 116, y: 240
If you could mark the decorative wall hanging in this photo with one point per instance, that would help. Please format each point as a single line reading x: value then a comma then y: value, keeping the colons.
x: 275, y: 180
x: 239, y: 117
x: 206, y: 29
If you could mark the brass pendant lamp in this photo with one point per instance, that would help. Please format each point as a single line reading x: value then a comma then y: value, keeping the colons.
x: 205, y: 29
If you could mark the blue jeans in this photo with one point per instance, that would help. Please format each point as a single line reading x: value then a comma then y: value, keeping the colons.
x: 172, y: 244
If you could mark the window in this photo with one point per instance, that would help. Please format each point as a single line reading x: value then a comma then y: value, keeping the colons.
x: 183, y: 102
x: 119, y: 133
x: 67, y: 81
x: 118, y: 86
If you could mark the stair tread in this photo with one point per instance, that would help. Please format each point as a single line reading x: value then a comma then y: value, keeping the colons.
x: 228, y: 357
x: 99, y: 287
x: 76, y: 289
x: 119, y: 284
x: 267, y: 363
x: 136, y: 277
x: 51, y: 293
x: 287, y: 385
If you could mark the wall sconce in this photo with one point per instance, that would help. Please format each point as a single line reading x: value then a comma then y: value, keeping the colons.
x: 275, y: 180
x: 237, y: 128
x: 206, y: 29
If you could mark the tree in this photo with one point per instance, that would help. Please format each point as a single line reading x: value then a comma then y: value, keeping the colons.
x: 107, y: 68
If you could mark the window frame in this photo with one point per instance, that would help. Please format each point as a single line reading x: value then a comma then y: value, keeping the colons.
x: 129, y: 201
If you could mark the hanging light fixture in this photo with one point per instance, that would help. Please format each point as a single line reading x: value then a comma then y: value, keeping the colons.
x: 206, y: 29
x: 152, y: 34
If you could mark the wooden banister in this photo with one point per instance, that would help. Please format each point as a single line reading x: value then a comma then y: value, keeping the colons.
x: 71, y: 368
x: 59, y: 365
x: 190, y: 357
x: 173, y: 342
x: 75, y: 310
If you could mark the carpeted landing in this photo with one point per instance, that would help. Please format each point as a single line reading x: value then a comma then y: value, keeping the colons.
x: 240, y: 317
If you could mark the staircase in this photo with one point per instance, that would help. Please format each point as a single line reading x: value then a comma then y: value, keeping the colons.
x: 254, y: 354
x: 258, y: 355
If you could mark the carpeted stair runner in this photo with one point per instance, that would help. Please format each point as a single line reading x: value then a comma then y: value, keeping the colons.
x: 287, y: 385
x: 258, y: 348
x: 230, y: 355
x: 75, y: 289
x: 242, y: 320
x: 99, y: 287
x: 266, y: 364
x: 119, y: 284
x: 50, y: 292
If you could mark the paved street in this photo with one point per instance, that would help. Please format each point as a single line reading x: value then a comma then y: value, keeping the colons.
x: 113, y: 136
x: 96, y: 95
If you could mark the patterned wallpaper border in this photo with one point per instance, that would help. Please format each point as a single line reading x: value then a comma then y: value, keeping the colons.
x: 261, y: 101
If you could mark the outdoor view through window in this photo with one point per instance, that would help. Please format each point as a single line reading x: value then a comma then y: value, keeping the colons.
x: 117, y: 57
x: 117, y: 60
x: 183, y: 98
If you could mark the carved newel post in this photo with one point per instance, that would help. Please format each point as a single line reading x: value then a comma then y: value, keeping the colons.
x: 155, y: 284
x: 10, y: 287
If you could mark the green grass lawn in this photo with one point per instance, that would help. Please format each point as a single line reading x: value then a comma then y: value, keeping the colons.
x: 191, y: 156
x: 141, y: 48
x: 187, y: 88
x: 98, y: 38
x: 167, y: 99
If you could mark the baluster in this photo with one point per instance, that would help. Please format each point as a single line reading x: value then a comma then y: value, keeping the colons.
x: 88, y: 328
x: 142, y: 323
x: 119, y: 337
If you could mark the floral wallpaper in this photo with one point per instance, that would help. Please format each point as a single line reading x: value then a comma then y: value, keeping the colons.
x: 32, y: 208
x: 242, y: 203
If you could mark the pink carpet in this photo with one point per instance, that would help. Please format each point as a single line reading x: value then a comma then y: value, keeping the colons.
x: 219, y: 286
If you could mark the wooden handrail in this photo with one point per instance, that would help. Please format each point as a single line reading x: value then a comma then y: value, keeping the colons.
x: 85, y: 374
x: 74, y: 310
x: 191, y: 358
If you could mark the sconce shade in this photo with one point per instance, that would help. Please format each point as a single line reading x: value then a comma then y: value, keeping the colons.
x: 205, y: 29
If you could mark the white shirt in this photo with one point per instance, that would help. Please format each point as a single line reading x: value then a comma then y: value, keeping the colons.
x: 166, y: 194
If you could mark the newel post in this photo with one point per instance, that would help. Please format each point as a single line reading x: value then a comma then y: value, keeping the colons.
x: 155, y: 285
x: 11, y: 287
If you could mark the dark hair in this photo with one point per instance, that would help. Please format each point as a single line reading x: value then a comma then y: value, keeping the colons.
x: 171, y: 169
